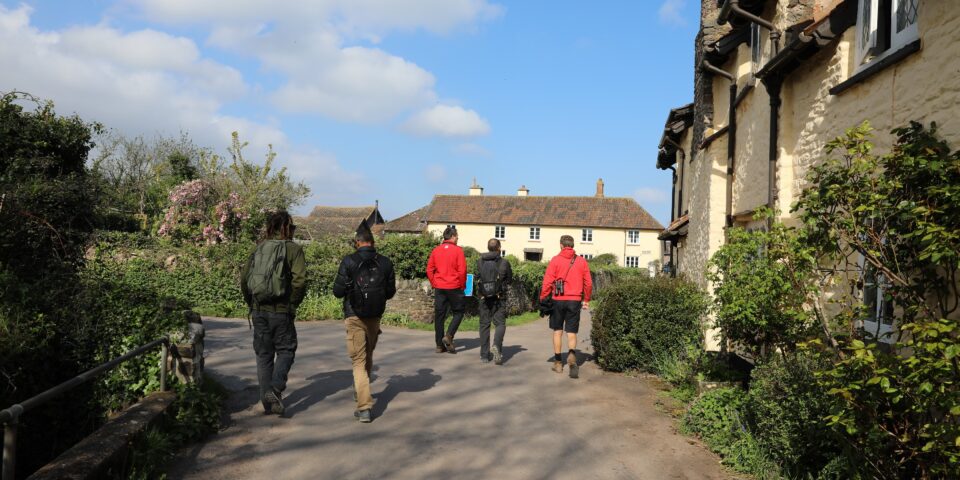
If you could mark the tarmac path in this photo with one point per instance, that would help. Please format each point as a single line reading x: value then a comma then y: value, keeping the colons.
x: 437, y: 416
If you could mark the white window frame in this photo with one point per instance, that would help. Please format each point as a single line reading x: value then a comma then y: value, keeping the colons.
x: 867, y: 26
x: 869, y: 35
x: 873, y: 321
x: 452, y: 225
x: 633, y: 237
x: 756, y: 54
x: 909, y: 34
x: 535, y: 234
x: 503, y: 253
x: 500, y: 232
x: 586, y: 235
x: 631, y: 262
x: 587, y: 256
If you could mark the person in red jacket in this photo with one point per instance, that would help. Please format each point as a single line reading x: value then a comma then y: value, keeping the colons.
x: 447, y: 271
x: 568, y: 279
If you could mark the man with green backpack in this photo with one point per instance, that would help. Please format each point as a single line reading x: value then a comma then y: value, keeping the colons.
x: 274, y: 283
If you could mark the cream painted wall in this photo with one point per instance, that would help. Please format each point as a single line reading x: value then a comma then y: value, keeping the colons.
x: 921, y: 87
x: 517, y: 238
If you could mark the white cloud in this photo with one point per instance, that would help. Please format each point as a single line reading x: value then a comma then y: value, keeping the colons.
x: 447, y: 121
x: 650, y: 195
x: 147, y: 82
x: 671, y: 12
x: 314, y: 46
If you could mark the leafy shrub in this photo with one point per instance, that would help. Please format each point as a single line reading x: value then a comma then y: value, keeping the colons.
x: 320, y: 307
x: 603, y: 259
x: 717, y: 418
x: 323, y: 260
x: 899, y: 407
x: 530, y: 275
x: 638, y: 319
x: 409, y: 253
x: 785, y: 408
x: 762, y: 280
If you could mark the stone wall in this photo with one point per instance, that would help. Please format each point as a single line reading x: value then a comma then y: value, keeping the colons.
x: 414, y: 298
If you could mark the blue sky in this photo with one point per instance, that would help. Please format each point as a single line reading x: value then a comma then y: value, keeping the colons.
x: 379, y: 99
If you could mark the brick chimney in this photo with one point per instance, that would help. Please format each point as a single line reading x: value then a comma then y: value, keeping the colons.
x: 599, y: 188
x: 523, y: 191
x: 475, y: 189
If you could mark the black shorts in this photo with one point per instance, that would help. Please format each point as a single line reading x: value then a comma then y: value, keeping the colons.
x: 565, y: 316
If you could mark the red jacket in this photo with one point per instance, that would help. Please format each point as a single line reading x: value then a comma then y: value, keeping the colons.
x: 447, y: 268
x: 577, y: 284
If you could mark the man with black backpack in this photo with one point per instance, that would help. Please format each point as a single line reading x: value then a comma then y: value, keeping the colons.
x: 365, y: 281
x: 568, y: 281
x: 273, y: 283
x: 495, y: 275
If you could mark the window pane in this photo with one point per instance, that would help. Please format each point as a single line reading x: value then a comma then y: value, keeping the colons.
x: 866, y: 23
x: 906, y: 13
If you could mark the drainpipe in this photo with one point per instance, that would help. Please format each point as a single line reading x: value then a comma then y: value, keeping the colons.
x: 773, y: 84
x: 733, y: 7
x: 731, y: 135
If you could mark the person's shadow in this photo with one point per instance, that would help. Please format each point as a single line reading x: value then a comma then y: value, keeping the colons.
x: 424, y: 380
x: 322, y: 385
x: 510, y: 350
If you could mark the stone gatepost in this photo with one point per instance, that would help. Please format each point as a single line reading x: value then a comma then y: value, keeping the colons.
x: 187, y: 353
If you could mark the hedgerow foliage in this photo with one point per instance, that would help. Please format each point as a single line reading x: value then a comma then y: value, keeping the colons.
x: 639, y: 319
x: 888, y: 220
x: 60, y: 315
x: 898, y: 408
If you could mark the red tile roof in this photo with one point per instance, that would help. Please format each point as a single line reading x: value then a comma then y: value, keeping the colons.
x: 596, y: 212
x: 413, y: 222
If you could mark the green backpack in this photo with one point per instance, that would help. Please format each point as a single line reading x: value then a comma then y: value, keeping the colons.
x: 269, y: 277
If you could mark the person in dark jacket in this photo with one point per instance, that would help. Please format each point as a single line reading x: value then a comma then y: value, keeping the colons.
x: 493, y: 308
x: 573, y: 273
x: 274, y: 333
x: 447, y: 271
x: 362, y: 331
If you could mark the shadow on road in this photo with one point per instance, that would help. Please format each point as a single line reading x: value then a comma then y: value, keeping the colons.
x: 509, y: 351
x: 322, y: 385
x: 424, y: 380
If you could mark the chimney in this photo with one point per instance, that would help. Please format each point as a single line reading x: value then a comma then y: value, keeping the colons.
x: 475, y: 189
x: 599, y: 188
x: 523, y: 191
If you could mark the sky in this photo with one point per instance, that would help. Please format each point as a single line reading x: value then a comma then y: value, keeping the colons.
x: 386, y: 100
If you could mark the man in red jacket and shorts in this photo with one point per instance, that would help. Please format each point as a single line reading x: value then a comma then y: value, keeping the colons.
x: 447, y: 271
x: 568, y: 279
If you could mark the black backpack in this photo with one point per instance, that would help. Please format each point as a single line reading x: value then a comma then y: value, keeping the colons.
x: 368, y: 299
x: 489, y: 285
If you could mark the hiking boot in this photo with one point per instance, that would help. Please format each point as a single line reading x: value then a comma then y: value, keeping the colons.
x: 574, y: 368
x: 274, y: 398
x: 558, y: 366
x: 448, y: 344
x: 484, y: 360
x: 363, y: 416
x: 497, y: 356
x: 441, y: 349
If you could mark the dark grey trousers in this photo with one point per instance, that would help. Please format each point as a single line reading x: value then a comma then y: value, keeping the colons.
x: 444, y: 299
x: 275, y: 343
x: 495, y: 312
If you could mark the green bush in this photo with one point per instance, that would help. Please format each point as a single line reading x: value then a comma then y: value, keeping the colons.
x: 320, y: 307
x: 717, y: 418
x: 409, y: 253
x: 638, y: 319
x: 323, y: 260
x: 785, y: 409
x: 530, y: 275
x: 603, y: 259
